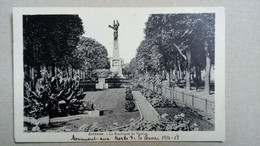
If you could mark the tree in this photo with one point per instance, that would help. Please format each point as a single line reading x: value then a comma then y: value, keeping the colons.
x: 147, y: 59
x: 184, y: 41
x: 50, y: 39
x: 127, y: 69
x: 206, y: 32
x: 93, y: 54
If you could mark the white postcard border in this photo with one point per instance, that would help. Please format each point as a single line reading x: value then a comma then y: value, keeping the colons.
x: 217, y: 135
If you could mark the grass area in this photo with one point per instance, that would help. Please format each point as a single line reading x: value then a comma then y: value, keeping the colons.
x: 111, y: 103
x: 193, y: 117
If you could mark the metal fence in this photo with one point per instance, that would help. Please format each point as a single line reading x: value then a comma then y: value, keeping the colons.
x: 203, y: 105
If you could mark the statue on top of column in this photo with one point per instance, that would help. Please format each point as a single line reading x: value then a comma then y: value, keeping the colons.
x: 115, y: 28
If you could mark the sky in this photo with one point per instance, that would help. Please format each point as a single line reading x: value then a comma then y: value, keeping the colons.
x: 130, y: 32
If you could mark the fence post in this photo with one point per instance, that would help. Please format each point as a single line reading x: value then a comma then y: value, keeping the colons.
x: 183, y: 97
x: 170, y: 92
x: 173, y: 93
x: 206, y: 105
x: 192, y: 100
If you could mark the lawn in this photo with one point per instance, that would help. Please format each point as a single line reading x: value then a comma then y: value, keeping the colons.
x: 111, y: 103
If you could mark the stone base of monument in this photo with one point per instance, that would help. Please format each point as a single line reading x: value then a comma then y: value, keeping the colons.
x: 95, y: 113
x: 101, y: 84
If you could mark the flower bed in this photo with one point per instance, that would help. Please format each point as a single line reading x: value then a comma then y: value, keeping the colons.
x: 156, y: 100
x: 52, y: 97
x: 165, y: 124
x: 170, y: 109
x: 129, y: 104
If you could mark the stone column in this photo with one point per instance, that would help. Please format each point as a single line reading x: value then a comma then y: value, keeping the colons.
x: 116, y: 49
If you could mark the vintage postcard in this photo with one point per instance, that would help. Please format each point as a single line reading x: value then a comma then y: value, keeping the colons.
x: 119, y: 74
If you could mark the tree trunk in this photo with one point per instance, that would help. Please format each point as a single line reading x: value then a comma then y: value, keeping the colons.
x: 72, y: 73
x: 82, y: 74
x: 67, y: 72
x: 170, y: 77
x: 78, y: 73
x: 32, y: 77
x: 188, y: 55
x: 27, y: 71
x: 179, y: 72
x: 207, y: 75
x: 197, y: 80
x: 55, y: 71
x: 198, y: 73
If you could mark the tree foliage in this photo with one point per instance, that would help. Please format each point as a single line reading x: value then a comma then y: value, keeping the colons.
x: 50, y: 39
x: 177, y: 42
x: 93, y: 54
x: 56, y: 40
x: 147, y: 57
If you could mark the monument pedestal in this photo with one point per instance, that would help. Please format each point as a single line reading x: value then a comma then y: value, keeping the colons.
x: 116, y: 66
x: 101, y: 84
x: 116, y: 63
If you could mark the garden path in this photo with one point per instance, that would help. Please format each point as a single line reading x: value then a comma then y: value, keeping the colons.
x: 149, y: 113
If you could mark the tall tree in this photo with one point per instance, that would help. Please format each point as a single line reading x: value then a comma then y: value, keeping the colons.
x: 183, y: 40
x: 93, y: 54
x: 50, y: 39
x: 206, y: 32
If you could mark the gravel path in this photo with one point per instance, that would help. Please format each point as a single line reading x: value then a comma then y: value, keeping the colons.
x: 149, y: 114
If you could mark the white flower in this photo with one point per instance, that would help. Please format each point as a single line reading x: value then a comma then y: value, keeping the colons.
x: 132, y: 120
x: 182, y: 115
x: 36, y: 129
x: 165, y: 116
x: 115, y: 124
x: 195, y: 125
x: 176, y: 117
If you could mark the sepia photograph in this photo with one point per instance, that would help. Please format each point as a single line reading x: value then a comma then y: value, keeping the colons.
x: 119, y: 74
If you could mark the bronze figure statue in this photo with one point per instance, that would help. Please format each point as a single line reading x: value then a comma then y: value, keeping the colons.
x: 115, y: 28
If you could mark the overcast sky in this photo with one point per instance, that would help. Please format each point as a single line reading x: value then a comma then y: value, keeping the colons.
x: 132, y: 24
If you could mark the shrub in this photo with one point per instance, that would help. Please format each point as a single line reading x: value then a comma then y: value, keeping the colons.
x: 127, y: 88
x: 130, y: 106
x: 129, y: 97
x: 128, y: 92
x: 165, y: 124
x: 88, y: 105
